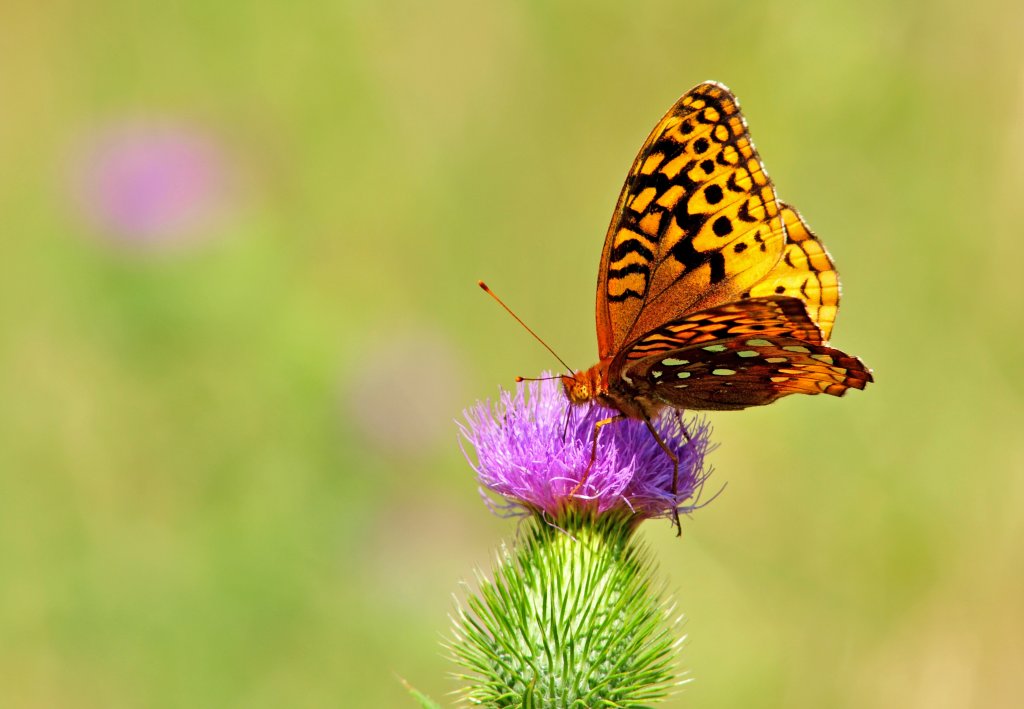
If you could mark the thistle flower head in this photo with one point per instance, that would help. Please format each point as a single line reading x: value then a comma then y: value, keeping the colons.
x: 533, y: 447
x: 568, y: 620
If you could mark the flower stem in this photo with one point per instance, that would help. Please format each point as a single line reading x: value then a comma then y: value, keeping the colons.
x: 571, y: 619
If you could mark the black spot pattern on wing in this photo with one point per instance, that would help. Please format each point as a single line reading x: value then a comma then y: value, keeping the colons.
x: 697, y: 211
x: 698, y: 166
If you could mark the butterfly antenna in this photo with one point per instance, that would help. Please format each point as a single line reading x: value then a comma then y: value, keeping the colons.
x: 537, y: 379
x: 489, y: 292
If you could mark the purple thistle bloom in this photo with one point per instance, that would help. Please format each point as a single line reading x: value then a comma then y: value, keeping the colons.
x: 533, y: 447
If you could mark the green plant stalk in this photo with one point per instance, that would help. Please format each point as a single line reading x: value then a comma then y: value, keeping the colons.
x: 571, y: 619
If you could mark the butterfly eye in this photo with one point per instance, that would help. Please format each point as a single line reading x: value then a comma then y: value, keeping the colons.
x: 577, y: 391
x: 572, y: 389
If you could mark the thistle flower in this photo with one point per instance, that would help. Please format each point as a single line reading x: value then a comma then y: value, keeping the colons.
x: 572, y: 615
x: 533, y: 447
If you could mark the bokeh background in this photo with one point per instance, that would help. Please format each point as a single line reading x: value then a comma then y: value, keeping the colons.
x: 238, y: 316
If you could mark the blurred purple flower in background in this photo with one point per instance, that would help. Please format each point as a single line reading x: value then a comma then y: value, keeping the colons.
x: 151, y: 184
x: 402, y: 392
x: 532, y: 448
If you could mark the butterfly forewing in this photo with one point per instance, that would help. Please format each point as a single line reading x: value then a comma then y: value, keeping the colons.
x: 697, y: 223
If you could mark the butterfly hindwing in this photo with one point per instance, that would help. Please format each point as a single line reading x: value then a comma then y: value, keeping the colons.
x: 775, y: 316
x: 697, y: 222
x: 741, y: 354
x: 746, y: 372
x: 805, y: 271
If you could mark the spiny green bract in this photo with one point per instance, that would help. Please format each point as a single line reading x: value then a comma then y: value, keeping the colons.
x: 570, y: 621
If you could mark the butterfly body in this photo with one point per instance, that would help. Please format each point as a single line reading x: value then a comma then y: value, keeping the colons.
x: 712, y: 293
x: 594, y: 385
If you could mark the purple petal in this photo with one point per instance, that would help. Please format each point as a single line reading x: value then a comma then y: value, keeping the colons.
x: 533, y: 447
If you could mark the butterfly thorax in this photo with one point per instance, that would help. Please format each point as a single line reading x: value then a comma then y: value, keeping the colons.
x: 593, y: 385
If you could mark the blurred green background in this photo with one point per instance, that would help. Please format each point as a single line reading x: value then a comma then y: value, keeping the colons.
x: 229, y: 475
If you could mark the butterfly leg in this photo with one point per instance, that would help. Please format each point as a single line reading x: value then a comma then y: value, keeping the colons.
x: 593, y: 450
x: 675, y: 472
x: 682, y: 426
x: 565, y: 428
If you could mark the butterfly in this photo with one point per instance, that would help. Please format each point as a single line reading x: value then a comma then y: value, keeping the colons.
x: 712, y: 293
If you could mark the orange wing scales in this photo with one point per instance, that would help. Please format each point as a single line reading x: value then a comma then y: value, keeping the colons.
x: 697, y: 224
x: 757, y: 317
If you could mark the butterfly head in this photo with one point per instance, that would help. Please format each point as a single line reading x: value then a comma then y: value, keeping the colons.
x: 582, y: 387
x: 576, y: 388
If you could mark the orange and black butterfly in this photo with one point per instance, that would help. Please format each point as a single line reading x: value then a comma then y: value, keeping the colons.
x: 712, y: 293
